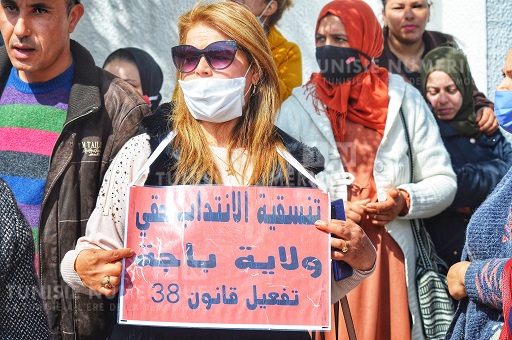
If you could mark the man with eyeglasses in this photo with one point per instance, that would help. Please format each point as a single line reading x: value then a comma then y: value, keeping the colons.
x: 62, y: 120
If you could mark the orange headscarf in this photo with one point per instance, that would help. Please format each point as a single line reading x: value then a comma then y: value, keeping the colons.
x: 363, y: 99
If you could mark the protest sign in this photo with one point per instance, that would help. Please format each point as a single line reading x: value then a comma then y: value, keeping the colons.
x: 227, y: 257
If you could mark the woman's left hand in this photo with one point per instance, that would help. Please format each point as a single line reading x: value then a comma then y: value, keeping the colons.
x: 381, y: 213
x: 100, y: 270
x: 350, y: 244
x: 456, y: 280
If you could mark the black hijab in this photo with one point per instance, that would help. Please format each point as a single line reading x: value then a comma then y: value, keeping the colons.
x: 151, y: 76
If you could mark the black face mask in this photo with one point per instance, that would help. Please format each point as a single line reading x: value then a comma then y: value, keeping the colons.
x: 339, y: 64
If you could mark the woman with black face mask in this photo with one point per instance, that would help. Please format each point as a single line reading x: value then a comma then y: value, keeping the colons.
x: 218, y: 131
x: 356, y: 113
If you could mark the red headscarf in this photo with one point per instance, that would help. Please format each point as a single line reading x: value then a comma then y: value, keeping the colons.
x: 363, y: 99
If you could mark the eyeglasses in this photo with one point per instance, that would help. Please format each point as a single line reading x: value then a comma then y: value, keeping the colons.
x: 219, y: 55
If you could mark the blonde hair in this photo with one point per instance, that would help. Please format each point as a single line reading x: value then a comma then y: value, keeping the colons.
x: 255, y: 130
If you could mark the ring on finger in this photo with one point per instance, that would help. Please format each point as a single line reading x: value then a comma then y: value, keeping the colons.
x: 344, y: 249
x: 105, y: 283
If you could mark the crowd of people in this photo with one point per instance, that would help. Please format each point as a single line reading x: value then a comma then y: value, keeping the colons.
x: 392, y: 125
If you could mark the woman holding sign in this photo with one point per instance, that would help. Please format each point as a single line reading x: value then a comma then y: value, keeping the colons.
x: 357, y: 114
x: 225, y: 105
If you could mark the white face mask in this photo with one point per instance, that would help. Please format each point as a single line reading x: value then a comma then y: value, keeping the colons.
x: 215, y: 100
x: 262, y: 13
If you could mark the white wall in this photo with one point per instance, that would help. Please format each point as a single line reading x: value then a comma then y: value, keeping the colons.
x: 466, y: 21
x: 499, y: 31
x: 151, y: 25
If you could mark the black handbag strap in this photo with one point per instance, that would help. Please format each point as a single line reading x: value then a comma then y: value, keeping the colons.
x: 424, y: 249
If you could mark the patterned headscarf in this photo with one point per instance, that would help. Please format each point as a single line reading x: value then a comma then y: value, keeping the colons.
x: 453, y: 62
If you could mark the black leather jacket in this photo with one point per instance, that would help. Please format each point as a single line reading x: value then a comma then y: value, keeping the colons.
x: 103, y: 113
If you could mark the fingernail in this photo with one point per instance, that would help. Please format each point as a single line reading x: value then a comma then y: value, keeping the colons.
x: 320, y: 223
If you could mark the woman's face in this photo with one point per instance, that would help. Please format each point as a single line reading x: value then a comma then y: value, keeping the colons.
x: 127, y: 71
x: 406, y: 19
x: 506, y: 83
x: 443, y: 95
x: 200, y: 36
x: 331, y: 31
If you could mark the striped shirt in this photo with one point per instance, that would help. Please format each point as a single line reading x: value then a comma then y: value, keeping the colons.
x: 31, y: 119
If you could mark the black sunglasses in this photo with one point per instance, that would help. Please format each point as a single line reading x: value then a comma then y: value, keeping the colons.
x: 219, y: 55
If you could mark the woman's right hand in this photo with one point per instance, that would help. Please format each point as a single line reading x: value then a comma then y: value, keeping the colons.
x: 95, y: 266
x: 354, y: 211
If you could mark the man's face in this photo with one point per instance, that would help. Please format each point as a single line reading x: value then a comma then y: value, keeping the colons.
x: 36, y: 35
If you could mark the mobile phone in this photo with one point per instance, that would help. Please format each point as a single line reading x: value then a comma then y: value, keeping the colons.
x: 341, y: 269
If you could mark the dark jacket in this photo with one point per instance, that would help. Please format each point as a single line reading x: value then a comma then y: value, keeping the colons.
x: 432, y: 39
x: 103, y: 113
x: 157, y: 127
x: 479, y: 164
x: 22, y: 315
